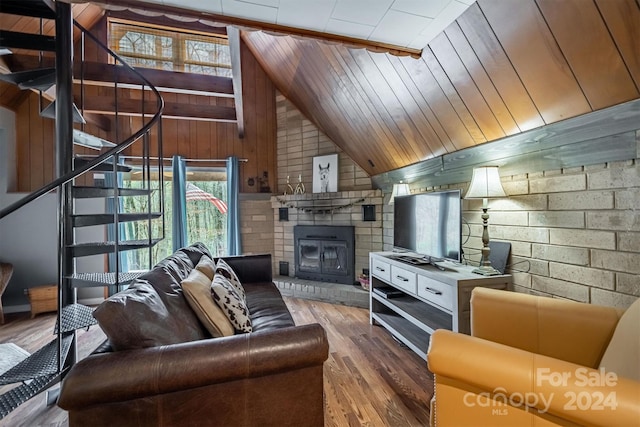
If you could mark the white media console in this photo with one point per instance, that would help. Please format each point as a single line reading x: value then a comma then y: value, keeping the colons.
x: 429, y: 297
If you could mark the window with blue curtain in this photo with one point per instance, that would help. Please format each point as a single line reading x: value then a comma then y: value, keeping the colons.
x: 195, y: 205
x: 234, y: 246
x: 179, y: 203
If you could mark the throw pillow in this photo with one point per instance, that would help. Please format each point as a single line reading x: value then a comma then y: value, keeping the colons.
x: 225, y: 269
x: 231, y: 303
x: 197, y: 291
x: 137, y: 318
x: 207, y: 266
x: 623, y: 352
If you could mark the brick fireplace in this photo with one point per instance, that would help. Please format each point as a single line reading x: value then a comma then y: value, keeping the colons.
x: 299, y: 140
x: 343, y: 208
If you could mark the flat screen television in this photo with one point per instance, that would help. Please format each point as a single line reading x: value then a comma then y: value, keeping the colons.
x: 429, y: 224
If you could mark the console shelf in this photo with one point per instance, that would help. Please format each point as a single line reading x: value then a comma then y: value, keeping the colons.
x: 412, y: 336
x: 422, y: 315
x: 431, y: 298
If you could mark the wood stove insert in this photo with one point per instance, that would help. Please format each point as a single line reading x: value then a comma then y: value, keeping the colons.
x: 325, y: 253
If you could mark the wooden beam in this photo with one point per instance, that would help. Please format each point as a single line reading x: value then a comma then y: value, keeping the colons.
x: 94, y: 71
x: 602, y: 136
x: 246, y: 24
x: 236, y: 70
x: 133, y: 107
x: 106, y: 73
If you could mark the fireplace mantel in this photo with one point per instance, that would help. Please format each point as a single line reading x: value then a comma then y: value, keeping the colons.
x: 323, y: 203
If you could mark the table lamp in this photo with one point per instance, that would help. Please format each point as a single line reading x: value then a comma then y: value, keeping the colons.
x: 485, y: 184
x: 400, y: 189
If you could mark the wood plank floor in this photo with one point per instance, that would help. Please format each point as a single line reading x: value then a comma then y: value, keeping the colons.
x: 369, y: 378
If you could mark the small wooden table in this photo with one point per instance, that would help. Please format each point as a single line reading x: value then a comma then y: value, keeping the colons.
x: 43, y: 299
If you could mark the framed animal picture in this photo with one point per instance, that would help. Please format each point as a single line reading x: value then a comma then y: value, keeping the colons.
x: 325, y: 173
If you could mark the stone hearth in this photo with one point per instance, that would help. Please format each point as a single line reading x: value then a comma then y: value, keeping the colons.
x: 336, y: 293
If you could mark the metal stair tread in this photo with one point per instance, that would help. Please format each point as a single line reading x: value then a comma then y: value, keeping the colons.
x: 50, y: 112
x: 19, y: 395
x: 88, y: 140
x: 41, y: 363
x: 103, y: 279
x: 96, y: 248
x: 43, y: 83
x: 84, y: 220
x: 75, y: 316
x: 24, y: 79
x: 103, y: 167
x: 17, y: 40
x: 33, y: 8
x: 88, y: 192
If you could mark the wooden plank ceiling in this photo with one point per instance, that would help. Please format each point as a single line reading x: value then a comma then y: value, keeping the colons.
x: 502, y: 68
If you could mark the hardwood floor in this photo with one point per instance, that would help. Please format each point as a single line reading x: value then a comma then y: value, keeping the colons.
x: 369, y: 378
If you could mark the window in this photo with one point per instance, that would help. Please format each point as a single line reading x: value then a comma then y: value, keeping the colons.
x: 206, y: 222
x: 170, y: 49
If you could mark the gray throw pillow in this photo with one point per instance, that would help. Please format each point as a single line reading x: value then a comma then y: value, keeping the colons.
x: 137, y: 318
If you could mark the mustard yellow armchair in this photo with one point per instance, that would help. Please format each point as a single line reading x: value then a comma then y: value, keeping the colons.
x: 537, y: 361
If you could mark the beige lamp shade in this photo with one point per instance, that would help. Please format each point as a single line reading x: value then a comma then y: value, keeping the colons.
x: 485, y: 184
x: 399, y: 190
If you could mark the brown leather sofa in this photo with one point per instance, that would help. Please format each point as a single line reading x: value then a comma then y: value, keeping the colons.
x: 272, y: 376
x: 537, y: 361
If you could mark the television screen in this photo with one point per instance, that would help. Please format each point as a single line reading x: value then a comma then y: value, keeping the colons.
x: 429, y: 224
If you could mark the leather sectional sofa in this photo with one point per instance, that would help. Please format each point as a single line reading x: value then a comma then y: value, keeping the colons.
x: 271, y: 376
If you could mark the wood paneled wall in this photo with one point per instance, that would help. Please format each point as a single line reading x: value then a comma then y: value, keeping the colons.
x: 189, y: 138
x: 502, y: 68
x: 218, y: 140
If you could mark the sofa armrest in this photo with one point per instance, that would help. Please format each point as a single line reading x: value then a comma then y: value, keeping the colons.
x: 251, y: 268
x: 552, y: 386
x: 126, y: 375
x: 568, y: 330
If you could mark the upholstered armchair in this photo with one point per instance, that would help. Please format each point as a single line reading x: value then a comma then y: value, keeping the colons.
x: 537, y: 361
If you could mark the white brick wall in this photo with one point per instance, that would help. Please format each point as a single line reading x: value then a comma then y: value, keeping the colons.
x: 299, y: 141
x: 256, y: 223
x: 575, y: 233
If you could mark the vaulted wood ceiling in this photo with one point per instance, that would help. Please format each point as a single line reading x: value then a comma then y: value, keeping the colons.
x: 502, y: 68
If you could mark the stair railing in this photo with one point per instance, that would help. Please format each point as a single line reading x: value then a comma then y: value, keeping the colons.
x: 118, y: 149
x: 66, y: 343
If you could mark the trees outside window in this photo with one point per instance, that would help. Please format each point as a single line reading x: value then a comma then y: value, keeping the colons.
x: 205, y: 222
x: 178, y: 50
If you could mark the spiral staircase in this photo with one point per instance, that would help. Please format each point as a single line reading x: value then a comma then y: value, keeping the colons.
x: 59, y: 81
